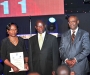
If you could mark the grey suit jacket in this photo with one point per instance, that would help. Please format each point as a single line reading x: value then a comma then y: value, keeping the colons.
x: 80, y: 49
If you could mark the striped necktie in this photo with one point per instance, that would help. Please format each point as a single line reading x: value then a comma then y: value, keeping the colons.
x: 73, y: 36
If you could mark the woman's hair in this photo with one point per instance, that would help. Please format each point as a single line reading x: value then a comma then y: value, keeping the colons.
x: 10, y: 24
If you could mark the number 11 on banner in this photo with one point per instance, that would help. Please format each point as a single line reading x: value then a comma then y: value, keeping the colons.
x: 5, y: 5
x: 23, y: 5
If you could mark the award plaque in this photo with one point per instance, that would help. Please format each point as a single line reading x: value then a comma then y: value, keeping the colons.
x: 17, y: 59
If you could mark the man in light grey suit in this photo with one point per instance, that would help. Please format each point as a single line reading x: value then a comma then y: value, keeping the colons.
x: 75, y: 47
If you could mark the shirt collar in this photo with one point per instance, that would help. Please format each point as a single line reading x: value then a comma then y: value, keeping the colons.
x: 43, y: 34
x: 74, y: 30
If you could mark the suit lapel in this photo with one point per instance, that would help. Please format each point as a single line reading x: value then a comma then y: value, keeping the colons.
x: 78, y: 34
x: 37, y: 41
x: 69, y: 37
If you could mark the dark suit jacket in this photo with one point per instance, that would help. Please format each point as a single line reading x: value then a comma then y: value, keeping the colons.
x: 45, y: 60
x: 1, y: 69
x: 80, y: 49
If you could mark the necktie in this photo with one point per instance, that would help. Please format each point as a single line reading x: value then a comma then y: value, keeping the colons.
x: 73, y: 36
x: 40, y: 41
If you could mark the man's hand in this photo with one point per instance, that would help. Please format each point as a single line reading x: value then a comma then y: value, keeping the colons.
x: 15, y: 69
x: 73, y: 61
x: 69, y: 63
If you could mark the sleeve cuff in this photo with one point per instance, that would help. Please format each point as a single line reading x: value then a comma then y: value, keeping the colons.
x: 66, y: 60
x: 75, y: 59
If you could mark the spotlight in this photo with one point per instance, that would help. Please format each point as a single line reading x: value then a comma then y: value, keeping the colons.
x: 52, y: 19
x: 51, y: 26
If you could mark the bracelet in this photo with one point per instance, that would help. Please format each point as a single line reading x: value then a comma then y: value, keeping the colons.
x: 26, y: 62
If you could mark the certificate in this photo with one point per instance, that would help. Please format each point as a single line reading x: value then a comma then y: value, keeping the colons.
x: 17, y: 59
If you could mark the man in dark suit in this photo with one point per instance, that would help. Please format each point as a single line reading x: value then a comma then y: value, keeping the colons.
x: 75, y: 47
x: 43, y: 51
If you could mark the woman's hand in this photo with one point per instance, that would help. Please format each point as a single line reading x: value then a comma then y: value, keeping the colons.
x: 15, y: 69
x: 26, y: 66
x: 7, y: 62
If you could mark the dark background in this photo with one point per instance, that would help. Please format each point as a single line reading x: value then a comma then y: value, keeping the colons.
x: 72, y: 7
x: 24, y: 23
x: 76, y: 7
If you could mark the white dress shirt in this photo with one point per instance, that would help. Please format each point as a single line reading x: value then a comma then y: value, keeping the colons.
x: 74, y: 30
x: 43, y: 35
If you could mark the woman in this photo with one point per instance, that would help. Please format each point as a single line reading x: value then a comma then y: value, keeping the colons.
x: 11, y: 44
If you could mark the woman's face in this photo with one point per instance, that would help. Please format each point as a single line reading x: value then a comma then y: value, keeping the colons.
x: 12, y: 31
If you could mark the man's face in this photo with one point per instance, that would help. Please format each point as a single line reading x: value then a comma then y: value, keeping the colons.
x: 73, y: 22
x: 63, y: 72
x: 40, y: 27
